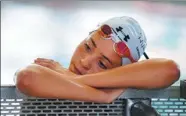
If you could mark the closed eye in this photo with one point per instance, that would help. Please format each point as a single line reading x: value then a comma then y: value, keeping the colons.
x: 101, y: 65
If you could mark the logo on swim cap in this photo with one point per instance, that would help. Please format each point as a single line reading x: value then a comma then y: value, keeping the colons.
x: 129, y: 38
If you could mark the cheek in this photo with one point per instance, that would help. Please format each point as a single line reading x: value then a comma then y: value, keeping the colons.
x: 94, y: 68
x: 79, y: 52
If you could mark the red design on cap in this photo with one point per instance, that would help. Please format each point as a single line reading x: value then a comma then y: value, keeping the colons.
x: 123, y: 50
x: 122, y: 47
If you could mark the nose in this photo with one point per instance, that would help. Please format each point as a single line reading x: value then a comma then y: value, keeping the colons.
x: 85, y: 62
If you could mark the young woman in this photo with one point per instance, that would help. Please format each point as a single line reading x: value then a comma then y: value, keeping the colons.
x: 101, y: 68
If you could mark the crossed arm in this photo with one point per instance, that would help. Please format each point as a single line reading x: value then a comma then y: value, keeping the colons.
x: 39, y: 81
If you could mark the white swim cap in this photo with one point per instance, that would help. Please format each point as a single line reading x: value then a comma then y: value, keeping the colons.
x: 128, y: 36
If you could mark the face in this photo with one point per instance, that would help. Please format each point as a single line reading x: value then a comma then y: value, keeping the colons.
x: 93, y: 55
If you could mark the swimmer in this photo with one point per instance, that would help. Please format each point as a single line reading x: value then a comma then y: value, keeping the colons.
x: 102, y: 67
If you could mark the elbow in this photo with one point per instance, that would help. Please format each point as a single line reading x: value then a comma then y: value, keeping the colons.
x: 24, y: 80
x: 106, y: 101
x: 173, y: 72
x: 109, y: 101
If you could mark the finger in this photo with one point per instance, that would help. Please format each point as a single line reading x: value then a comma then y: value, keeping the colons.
x: 58, y: 63
x: 44, y: 59
x: 36, y: 61
x: 39, y: 61
x: 45, y: 64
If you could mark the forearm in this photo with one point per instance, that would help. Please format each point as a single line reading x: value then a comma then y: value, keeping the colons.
x: 149, y: 74
x: 39, y: 81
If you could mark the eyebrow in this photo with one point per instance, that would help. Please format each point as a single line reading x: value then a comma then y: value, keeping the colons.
x: 107, y: 59
x: 93, y: 42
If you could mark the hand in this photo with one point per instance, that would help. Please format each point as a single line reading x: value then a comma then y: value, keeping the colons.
x: 53, y: 65
x: 48, y: 63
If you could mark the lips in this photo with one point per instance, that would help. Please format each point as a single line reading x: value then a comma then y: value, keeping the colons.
x: 77, y: 70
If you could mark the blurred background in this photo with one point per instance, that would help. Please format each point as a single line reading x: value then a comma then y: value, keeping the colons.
x: 53, y: 30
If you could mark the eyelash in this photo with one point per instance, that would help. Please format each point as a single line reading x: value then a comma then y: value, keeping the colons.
x: 87, y: 47
x: 100, y: 63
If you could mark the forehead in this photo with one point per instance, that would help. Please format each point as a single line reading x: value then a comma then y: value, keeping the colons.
x: 105, y: 47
